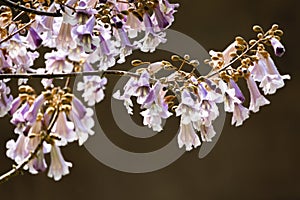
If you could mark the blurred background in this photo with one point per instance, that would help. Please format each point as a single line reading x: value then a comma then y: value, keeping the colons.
x: 259, y: 160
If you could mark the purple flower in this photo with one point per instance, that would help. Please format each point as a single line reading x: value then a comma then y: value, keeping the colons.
x: 240, y: 114
x: 5, y: 99
x: 84, y: 125
x: 151, y: 39
x: 17, y: 150
x: 33, y: 39
x: 58, y: 167
x: 156, y: 108
x: 64, y: 129
x: 84, y: 35
x: 31, y: 114
x: 138, y: 87
x: 257, y: 99
x: 207, y: 133
x: 93, y: 89
x: 56, y: 62
x: 277, y: 46
x: 64, y: 39
x: 272, y: 80
x: 187, y: 136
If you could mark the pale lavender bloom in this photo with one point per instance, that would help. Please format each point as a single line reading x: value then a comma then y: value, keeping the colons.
x: 33, y: 39
x: 5, y: 99
x: 188, y: 108
x: 15, y: 105
x: 84, y: 125
x: 31, y: 114
x: 277, y: 46
x: 164, y: 12
x: 188, y: 137
x: 272, y: 80
x: 65, y: 40
x: 17, y: 150
x: 15, y: 47
x: 58, y: 167
x: 83, y: 12
x: 78, y: 107
x: 257, y: 99
x: 125, y: 45
x: 259, y: 69
x: 138, y: 87
x: 240, y: 114
x: 151, y: 39
x: 229, y: 97
x: 238, y: 92
x: 92, y: 86
x: 56, y: 62
x: 93, y: 89
x: 106, y: 50
x: 207, y: 133
x: 156, y: 108
x: 190, y: 114
x: 64, y: 129
x: 38, y: 163
x: 84, y: 35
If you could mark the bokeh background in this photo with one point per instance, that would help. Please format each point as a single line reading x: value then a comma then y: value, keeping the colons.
x: 259, y: 160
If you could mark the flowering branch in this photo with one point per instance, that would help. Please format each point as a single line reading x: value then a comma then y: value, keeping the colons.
x: 17, y: 31
x: 18, y: 6
x: 88, y: 39
x: 17, y: 170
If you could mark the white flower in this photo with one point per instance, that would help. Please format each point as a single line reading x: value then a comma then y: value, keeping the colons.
x: 188, y: 137
x: 92, y: 87
x: 257, y: 99
x: 64, y: 129
x: 58, y: 167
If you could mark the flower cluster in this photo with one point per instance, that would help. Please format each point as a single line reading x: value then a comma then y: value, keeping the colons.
x: 87, y: 38
x: 53, y: 119
x: 199, y: 95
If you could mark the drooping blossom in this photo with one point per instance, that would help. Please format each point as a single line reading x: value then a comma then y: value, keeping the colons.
x: 156, y: 108
x: 58, y: 167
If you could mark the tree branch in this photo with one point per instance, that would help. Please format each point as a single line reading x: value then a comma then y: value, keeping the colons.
x: 30, y: 10
x: 72, y: 74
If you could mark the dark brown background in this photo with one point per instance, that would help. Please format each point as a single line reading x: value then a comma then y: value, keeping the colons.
x: 259, y: 160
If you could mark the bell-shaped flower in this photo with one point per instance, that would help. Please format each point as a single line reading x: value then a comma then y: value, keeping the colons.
x: 5, y: 99
x: 151, y: 39
x: 187, y: 136
x: 56, y: 62
x: 31, y: 114
x: 33, y: 39
x: 277, y: 46
x: 58, y: 167
x: 207, y: 133
x: 257, y: 99
x: 65, y: 40
x: 17, y: 150
x: 156, y: 108
x: 64, y: 129
x: 240, y: 114
x: 273, y: 80
x: 84, y: 35
x: 83, y: 126
x: 93, y: 88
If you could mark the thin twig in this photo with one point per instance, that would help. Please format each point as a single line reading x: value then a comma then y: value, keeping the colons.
x: 18, y: 31
x: 18, y: 169
x: 30, y: 10
x: 72, y: 74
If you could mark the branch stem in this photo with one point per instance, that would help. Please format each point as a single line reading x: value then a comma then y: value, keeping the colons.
x: 30, y: 10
